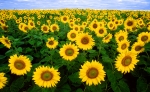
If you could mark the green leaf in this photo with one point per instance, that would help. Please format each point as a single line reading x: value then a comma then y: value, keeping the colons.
x: 115, y: 87
x: 79, y: 90
x: 17, y: 84
x: 65, y: 88
x: 30, y: 57
x: 111, y: 76
x: 147, y: 70
x: 91, y: 51
x: 141, y: 84
x: 123, y: 86
x: 4, y: 67
x: 2, y: 56
x: 19, y: 49
x: 118, y: 75
x: 35, y: 89
x: 107, y: 59
x: 75, y: 78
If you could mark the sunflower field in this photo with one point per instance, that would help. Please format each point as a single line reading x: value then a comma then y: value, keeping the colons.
x: 74, y: 50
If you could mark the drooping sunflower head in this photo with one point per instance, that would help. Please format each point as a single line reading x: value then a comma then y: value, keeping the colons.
x: 54, y: 27
x: 3, y: 80
x: 51, y: 43
x: 144, y: 37
x: 121, y: 36
x: 4, y: 27
x: 72, y: 35
x: 107, y: 38
x: 31, y: 24
x: 19, y: 65
x: 5, y: 41
x: 45, y: 28
x: 85, y: 41
x: 92, y: 73
x: 125, y: 62
x: 25, y: 28
x: 21, y: 26
x: 101, y: 31
x: 137, y: 47
x: 69, y: 51
x: 123, y: 46
x: 46, y: 77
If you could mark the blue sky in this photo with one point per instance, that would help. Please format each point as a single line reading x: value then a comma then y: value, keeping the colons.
x: 92, y: 4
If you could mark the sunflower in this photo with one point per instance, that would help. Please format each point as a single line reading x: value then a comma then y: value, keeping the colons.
x: 72, y: 35
x: 4, y: 27
x: 121, y: 36
x: 25, y: 28
x: 3, y: 80
x: 130, y: 23
x: 46, y: 77
x: 76, y: 27
x: 85, y: 41
x: 107, y: 38
x: 21, y: 26
x: 92, y: 73
x: 45, y: 28
x: 144, y: 37
x: 64, y: 19
x: 137, y: 47
x: 19, y: 65
x: 101, y: 31
x: 51, y: 43
x: 125, y: 62
x: 123, y: 46
x: 54, y: 27
x: 4, y: 40
x: 93, y: 25
x: 69, y: 51
x: 31, y: 24
x: 111, y: 25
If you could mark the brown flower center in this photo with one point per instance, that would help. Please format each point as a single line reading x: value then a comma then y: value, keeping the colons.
x: 31, y: 23
x: 130, y: 23
x: 85, y: 40
x: 51, y: 42
x: 54, y: 28
x: 138, y: 48
x: 7, y: 41
x: 69, y: 52
x: 126, y: 61
x: 19, y: 64
x: 46, y: 76
x: 92, y: 73
x: 123, y: 46
x: 73, y: 35
x: 64, y: 18
x: 111, y: 25
x: 44, y: 28
x: 94, y: 25
x: 144, y: 38
x: 101, y: 31
x: 121, y: 38
x: 26, y: 28
x: 76, y: 28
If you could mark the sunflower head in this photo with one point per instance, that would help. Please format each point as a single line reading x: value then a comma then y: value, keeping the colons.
x: 45, y: 28
x: 92, y: 73
x: 123, y: 46
x: 126, y: 61
x: 144, y: 37
x: 85, y: 41
x: 69, y: 51
x: 107, y: 38
x: 137, y: 47
x: 46, y: 76
x: 4, y: 40
x: 54, y: 27
x: 64, y: 19
x: 101, y: 31
x: 19, y: 65
x: 3, y: 80
x: 51, y: 43
x: 121, y: 36
x: 72, y: 35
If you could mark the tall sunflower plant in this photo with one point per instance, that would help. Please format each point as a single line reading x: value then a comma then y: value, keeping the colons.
x: 74, y: 50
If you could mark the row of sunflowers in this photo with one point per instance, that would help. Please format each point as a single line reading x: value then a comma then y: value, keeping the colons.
x: 74, y: 50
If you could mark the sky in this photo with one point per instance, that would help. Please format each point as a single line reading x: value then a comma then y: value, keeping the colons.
x: 81, y: 4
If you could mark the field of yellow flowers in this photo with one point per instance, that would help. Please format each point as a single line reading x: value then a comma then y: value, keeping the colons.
x: 74, y: 50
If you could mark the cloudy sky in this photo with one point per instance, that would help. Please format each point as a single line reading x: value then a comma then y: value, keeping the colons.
x: 92, y: 4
